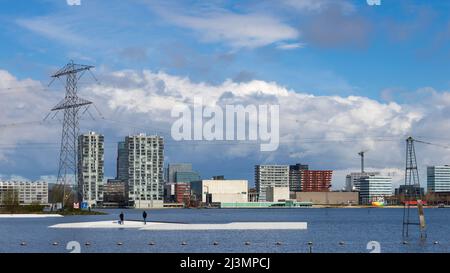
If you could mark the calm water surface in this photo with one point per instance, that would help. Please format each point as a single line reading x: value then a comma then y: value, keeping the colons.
x: 326, y: 228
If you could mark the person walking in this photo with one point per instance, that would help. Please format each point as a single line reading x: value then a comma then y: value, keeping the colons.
x: 144, y: 215
x: 121, y: 216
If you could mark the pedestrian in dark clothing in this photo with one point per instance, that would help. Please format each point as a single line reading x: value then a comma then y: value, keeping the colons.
x: 121, y: 218
x: 144, y: 215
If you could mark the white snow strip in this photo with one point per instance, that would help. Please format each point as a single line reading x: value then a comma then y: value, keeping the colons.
x: 29, y: 215
x: 180, y: 226
x: 230, y: 226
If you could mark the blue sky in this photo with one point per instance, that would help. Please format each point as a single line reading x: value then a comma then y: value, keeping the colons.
x: 398, y: 44
x: 398, y: 52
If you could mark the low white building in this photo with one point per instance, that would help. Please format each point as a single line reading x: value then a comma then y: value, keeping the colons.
x: 275, y: 194
x: 220, y: 191
x: 27, y: 192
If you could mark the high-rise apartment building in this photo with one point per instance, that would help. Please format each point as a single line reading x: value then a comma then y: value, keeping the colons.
x: 145, y: 170
x: 91, y: 167
x: 316, y: 180
x: 438, y: 178
x: 270, y: 176
x: 295, y: 177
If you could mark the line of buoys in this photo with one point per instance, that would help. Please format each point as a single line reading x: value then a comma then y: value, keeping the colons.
x: 215, y: 243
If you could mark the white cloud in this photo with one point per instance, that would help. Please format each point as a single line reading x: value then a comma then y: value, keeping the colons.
x: 238, y: 30
x: 325, y: 132
x: 318, y: 5
x: 287, y: 46
x: 23, y: 105
x: 52, y: 29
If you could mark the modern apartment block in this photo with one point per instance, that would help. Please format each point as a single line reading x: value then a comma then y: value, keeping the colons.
x: 295, y: 177
x: 438, y: 178
x: 91, y: 167
x: 374, y: 187
x: 145, y: 170
x: 316, y: 180
x: 270, y: 176
x: 26, y: 192
x: 352, y: 180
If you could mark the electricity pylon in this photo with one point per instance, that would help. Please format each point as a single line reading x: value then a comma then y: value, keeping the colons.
x: 72, y: 106
x: 412, y: 194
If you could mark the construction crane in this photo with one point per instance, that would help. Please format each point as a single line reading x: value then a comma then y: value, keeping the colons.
x: 362, y: 159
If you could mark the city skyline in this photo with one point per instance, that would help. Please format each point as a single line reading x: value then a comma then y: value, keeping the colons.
x: 340, y: 89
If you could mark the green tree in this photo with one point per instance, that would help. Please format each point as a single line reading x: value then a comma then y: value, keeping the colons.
x: 57, y: 192
x: 10, y: 200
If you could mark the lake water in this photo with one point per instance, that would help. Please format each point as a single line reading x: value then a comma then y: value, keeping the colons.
x: 326, y: 229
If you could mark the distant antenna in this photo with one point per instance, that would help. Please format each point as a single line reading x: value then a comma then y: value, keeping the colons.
x: 72, y: 106
x: 362, y: 159
x: 412, y: 196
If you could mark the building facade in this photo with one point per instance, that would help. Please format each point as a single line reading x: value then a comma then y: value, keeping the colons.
x: 27, y: 192
x: 352, y: 180
x: 295, y: 177
x: 438, y: 178
x: 115, y: 193
x: 270, y: 176
x: 183, y: 193
x: 410, y: 190
x: 145, y: 170
x: 374, y: 188
x: 328, y: 198
x: 220, y: 191
x: 316, y: 181
x: 186, y: 177
x: 122, y: 162
x: 276, y: 194
x: 173, y: 168
x: 91, y: 168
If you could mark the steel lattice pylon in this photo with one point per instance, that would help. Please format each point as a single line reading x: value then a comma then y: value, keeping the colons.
x: 411, y: 195
x: 72, y: 106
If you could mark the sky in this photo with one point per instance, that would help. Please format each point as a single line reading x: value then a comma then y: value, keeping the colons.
x: 347, y: 76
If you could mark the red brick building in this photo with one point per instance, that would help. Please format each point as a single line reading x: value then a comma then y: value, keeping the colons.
x: 316, y: 181
x: 182, y: 193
